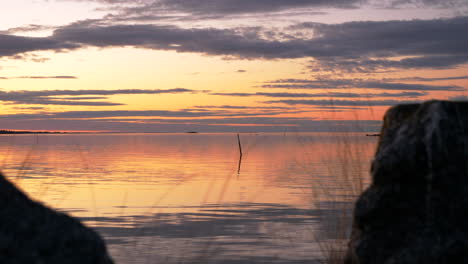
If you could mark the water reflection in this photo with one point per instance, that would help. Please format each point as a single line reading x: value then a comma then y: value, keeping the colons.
x: 233, y: 231
x: 176, y: 198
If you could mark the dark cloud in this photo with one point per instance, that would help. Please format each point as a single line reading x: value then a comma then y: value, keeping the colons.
x: 330, y: 95
x: 356, y: 83
x: 224, y: 42
x: 52, y: 97
x: 234, y: 94
x: 40, y: 101
x: 28, y: 28
x: 188, y: 10
x: 279, y: 121
x: 41, y: 77
x: 409, y: 86
x: 423, y: 3
x: 84, y: 98
x: 240, y: 107
x: 434, y: 43
x: 222, y: 112
x: 28, y: 56
x: 425, y: 79
x: 246, y: 6
x: 11, y: 45
x: 108, y: 114
x: 35, y: 108
x: 218, y: 8
x: 369, y: 45
x: 364, y: 65
x: 49, y: 77
x: 459, y: 98
x: 178, y: 121
x: 338, y: 107
x: 345, y: 102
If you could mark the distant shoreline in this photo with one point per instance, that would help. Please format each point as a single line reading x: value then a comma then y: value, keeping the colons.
x: 9, y: 132
x: 19, y: 132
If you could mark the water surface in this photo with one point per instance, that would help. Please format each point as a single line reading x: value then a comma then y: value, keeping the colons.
x: 189, y: 198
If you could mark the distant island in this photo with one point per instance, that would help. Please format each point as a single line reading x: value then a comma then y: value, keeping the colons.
x: 4, y: 131
x: 373, y: 135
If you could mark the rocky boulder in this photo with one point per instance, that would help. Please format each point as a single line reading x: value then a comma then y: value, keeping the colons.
x: 416, y: 209
x: 31, y: 233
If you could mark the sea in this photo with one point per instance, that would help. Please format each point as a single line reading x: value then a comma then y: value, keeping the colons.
x: 199, y: 197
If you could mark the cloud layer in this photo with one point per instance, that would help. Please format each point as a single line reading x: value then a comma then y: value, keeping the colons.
x: 352, y: 46
x: 357, y: 83
x: 227, y: 7
x: 55, y: 97
x: 165, y: 121
x: 329, y: 95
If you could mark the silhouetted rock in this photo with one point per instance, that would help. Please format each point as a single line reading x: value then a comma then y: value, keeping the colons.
x: 31, y: 233
x: 416, y: 209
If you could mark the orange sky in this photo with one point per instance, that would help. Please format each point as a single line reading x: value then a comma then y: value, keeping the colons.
x: 162, y: 66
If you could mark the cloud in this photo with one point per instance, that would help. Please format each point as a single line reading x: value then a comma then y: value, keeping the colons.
x: 279, y: 121
x: 35, y: 108
x: 28, y: 28
x: 356, y: 83
x: 425, y: 79
x: 11, y: 45
x: 344, y: 102
x: 48, y: 77
x: 432, y: 43
x: 366, y: 46
x: 242, y: 7
x: 330, y: 95
x: 423, y: 3
x: 364, y: 65
x: 227, y: 7
x: 177, y: 121
x: 225, y: 42
x: 459, y: 98
x: 84, y: 98
x: 49, y: 97
x: 41, y: 77
x: 369, y: 45
x: 160, y: 10
x: 199, y: 112
x: 241, y: 107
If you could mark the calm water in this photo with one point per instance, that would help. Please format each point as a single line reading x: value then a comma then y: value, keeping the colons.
x: 187, y: 198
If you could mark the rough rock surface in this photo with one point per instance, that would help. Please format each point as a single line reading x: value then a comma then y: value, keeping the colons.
x: 416, y: 209
x: 31, y: 233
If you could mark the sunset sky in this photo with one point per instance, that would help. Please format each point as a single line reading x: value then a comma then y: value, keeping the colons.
x: 225, y: 65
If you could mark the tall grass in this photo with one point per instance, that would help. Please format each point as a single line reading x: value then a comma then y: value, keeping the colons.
x: 347, y: 177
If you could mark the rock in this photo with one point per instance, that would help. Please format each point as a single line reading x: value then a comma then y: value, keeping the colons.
x: 416, y: 208
x: 31, y: 233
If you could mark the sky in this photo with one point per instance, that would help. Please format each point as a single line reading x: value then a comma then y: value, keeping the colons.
x: 225, y: 65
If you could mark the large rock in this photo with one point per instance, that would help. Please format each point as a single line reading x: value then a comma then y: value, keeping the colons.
x: 416, y: 209
x: 31, y: 233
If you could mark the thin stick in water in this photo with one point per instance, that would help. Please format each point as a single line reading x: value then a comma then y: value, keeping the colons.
x: 240, y: 155
x: 240, y: 146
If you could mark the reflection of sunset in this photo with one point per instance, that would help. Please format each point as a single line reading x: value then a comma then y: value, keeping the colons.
x: 148, y: 190
x: 141, y: 171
